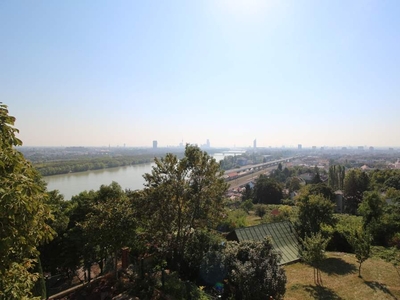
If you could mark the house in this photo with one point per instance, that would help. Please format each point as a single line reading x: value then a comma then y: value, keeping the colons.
x: 282, y: 234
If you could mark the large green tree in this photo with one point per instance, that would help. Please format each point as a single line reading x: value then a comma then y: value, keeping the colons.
x: 181, y: 195
x: 336, y: 177
x: 355, y: 184
x: 267, y: 191
x: 111, y: 224
x: 315, y: 211
x: 23, y: 215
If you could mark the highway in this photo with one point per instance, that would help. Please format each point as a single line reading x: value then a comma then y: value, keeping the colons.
x: 266, y: 164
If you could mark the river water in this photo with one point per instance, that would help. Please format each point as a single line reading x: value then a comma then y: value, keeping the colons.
x: 129, y: 177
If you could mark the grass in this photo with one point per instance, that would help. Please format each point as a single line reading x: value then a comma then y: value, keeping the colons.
x: 380, y: 279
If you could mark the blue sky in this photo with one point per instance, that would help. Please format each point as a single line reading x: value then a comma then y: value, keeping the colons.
x: 93, y: 73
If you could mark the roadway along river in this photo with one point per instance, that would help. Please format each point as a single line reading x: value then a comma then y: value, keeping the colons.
x: 130, y: 177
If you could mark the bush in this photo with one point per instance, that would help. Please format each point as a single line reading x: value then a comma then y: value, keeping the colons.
x: 200, y: 243
x: 254, y: 271
x: 234, y: 219
x: 341, y: 230
x: 182, y: 290
x: 260, y: 210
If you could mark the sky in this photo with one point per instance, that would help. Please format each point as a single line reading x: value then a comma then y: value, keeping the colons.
x: 287, y: 72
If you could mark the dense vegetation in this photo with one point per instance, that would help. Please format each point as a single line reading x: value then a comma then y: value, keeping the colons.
x: 175, y: 224
x: 85, y: 164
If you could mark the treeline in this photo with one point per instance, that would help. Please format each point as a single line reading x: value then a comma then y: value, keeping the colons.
x: 85, y: 164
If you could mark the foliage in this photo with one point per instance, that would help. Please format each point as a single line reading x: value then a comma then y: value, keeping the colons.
x: 318, y: 189
x: 360, y: 240
x: 51, y: 254
x: 181, y: 290
x: 267, y: 191
x: 111, y: 224
x: 314, y: 211
x: 254, y: 271
x: 355, y: 184
x: 199, y: 243
x: 182, y: 196
x: 247, y: 193
x: 371, y: 209
x: 339, y: 240
x: 384, y: 179
x: 293, y: 184
x: 280, y: 175
x: 23, y: 215
x: 313, y: 252
x: 233, y: 219
x: 39, y: 289
x: 279, y: 213
x: 247, y: 205
x: 63, y: 166
x: 260, y: 210
x: 336, y: 177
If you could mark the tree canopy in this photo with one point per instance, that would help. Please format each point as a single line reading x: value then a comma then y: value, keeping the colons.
x: 181, y: 196
x: 23, y: 215
x: 267, y: 191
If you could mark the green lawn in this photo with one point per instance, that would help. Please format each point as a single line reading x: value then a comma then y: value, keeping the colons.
x: 380, y: 279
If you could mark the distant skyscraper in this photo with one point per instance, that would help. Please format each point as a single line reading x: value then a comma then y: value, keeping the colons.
x: 154, y: 144
x: 299, y: 146
x: 255, y: 144
x: 208, y: 143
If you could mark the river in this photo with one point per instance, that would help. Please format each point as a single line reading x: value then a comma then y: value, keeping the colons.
x: 129, y: 177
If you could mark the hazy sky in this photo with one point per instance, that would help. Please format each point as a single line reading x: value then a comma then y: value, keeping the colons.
x: 95, y: 73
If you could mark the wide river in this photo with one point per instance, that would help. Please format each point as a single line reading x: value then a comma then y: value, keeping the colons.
x: 130, y: 177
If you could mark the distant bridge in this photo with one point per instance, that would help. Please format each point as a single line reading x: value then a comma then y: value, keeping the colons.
x: 259, y: 166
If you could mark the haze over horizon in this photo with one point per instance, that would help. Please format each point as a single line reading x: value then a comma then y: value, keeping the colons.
x: 99, y: 73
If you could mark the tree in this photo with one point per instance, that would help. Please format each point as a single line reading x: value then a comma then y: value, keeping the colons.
x: 111, y: 224
x: 247, y: 193
x: 260, y: 210
x: 51, y: 254
x: 313, y: 253
x: 393, y: 182
x: 360, y: 240
x: 355, y: 184
x: 247, y: 205
x: 23, y: 215
x: 254, y: 271
x: 371, y: 208
x: 317, y: 178
x: 319, y: 189
x: 314, y: 211
x: 294, y: 184
x: 336, y: 177
x: 182, y: 195
x: 267, y: 191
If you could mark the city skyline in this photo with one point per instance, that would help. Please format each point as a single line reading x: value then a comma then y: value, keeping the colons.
x: 314, y: 73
